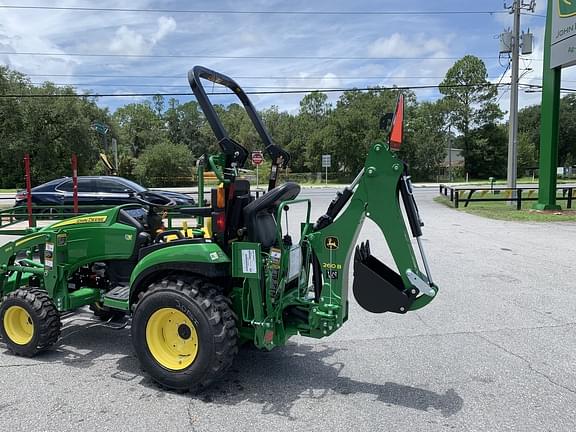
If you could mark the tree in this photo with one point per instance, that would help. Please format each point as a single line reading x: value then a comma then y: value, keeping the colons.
x: 426, y: 138
x: 529, y: 125
x: 355, y: 125
x: 315, y: 106
x: 140, y: 127
x: 158, y: 102
x: 187, y: 125
x: 527, y: 154
x: 50, y: 129
x: 471, y: 99
x: 488, y: 151
x: 309, y: 132
x: 165, y: 164
x: 567, y: 133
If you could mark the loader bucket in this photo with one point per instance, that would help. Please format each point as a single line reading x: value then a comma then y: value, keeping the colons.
x: 378, y: 288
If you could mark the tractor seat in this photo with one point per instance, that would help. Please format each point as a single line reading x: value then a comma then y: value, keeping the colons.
x: 143, y: 238
x: 259, y: 214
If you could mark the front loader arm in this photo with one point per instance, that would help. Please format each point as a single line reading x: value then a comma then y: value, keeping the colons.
x: 374, y: 194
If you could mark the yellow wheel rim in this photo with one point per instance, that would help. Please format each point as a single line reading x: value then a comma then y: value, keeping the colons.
x: 172, y: 338
x: 18, y: 325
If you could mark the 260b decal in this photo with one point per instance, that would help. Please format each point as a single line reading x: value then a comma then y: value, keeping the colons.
x: 331, y: 270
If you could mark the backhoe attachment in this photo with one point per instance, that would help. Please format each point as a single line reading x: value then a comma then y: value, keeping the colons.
x: 375, y: 193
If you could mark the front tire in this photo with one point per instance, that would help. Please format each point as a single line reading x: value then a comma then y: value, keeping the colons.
x: 29, y: 321
x: 184, y: 333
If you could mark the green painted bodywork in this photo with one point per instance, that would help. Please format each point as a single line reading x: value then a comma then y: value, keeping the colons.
x: 75, y: 242
x: 208, y: 253
x: 550, y: 124
x: 263, y: 311
x: 271, y: 296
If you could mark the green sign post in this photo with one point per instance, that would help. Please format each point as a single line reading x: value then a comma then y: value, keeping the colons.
x: 559, y: 52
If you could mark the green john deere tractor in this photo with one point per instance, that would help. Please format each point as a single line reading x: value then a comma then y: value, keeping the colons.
x: 237, y: 277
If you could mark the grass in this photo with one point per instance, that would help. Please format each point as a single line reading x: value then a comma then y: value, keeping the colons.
x: 503, y: 182
x: 503, y: 211
x: 8, y: 190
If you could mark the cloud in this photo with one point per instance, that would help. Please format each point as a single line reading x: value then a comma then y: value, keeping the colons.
x: 166, y: 25
x: 246, y: 35
x: 132, y: 42
x: 399, y: 45
x: 127, y: 41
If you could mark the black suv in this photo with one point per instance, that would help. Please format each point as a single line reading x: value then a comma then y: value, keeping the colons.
x: 92, y: 190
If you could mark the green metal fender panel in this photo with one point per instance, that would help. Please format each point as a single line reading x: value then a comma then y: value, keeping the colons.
x: 206, y: 259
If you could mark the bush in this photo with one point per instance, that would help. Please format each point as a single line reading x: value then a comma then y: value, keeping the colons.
x: 165, y: 164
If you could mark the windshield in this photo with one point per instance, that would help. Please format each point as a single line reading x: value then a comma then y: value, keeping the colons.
x: 135, y: 186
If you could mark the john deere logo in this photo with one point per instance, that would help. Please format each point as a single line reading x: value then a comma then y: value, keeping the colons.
x: 567, y: 8
x: 331, y: 243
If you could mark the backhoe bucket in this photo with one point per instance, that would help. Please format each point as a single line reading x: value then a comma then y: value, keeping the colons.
x: 378, y: 288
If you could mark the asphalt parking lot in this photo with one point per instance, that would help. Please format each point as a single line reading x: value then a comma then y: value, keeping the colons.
x: 494, y: 352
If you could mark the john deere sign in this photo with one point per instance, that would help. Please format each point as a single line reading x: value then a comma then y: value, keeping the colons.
x: 563, y: 34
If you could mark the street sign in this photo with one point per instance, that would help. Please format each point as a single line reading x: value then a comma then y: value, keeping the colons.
x: 563, y: 34
x: 101, y: 128
x: 257, y: 158
x: 326, y: 163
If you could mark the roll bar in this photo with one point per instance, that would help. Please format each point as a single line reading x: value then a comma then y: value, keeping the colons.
x: 233, y: 151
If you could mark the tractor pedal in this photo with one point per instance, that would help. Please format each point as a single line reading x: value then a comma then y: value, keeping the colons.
x: 120, y: 293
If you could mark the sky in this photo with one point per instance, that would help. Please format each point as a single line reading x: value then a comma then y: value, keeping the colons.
x: 150, y: 52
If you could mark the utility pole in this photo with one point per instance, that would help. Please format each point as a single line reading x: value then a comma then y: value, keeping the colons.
x: 516, y: 9
x: 450, y: 152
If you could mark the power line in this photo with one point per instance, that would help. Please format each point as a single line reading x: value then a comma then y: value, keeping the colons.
x: 501, y: 78
x: 533, y: 15
x: 328, y: 90
x: 333, y: 90
x: 183, y: 86
x: 255, y: 12
x: 183, y: 76
x: 539, y: 86
x: 228, y: 57
x: 237, y: 77
x: 172, y: 86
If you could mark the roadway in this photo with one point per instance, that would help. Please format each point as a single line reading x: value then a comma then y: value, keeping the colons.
x: 494, y: 352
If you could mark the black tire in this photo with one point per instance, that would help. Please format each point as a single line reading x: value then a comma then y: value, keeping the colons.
x: 215, y: 325
x: 105, y: 313
x: 50, y: 213
x: 43, y: 316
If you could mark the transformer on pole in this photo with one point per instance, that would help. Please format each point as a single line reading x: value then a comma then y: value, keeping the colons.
x: 510, y: 42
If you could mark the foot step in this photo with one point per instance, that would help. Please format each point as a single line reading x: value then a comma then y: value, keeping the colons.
x: 120, y: 293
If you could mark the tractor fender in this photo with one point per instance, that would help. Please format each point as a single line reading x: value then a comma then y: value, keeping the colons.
x: 204, y: 259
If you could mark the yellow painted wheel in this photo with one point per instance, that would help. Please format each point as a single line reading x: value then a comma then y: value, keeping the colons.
x: 172, y: 339
x: 18, y: 325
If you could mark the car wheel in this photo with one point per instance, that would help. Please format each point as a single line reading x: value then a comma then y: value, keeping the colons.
x: 50, y: 213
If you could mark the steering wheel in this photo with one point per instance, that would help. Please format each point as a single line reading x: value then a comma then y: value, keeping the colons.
x: 216, y: 169
x: 153, y: 199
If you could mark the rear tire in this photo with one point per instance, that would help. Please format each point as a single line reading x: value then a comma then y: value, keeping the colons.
x: 184, y: 333
x: 29, y: 321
